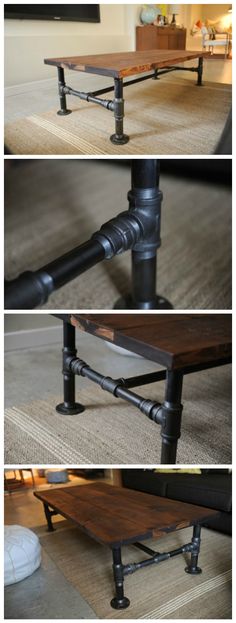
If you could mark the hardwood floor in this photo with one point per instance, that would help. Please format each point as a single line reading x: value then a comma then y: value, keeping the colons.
x: 21, y: 506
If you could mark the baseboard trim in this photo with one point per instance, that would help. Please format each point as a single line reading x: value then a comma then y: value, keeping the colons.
x: 73, y: 79
x: 32, y: 338
x: 25, y: 87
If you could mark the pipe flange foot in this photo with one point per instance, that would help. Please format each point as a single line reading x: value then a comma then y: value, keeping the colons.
x: 193, y: 570
x: 126, y: 302
x: 76, y: 408
x: 119, y: 140
x: 64, y: 112
x: 120, y: 604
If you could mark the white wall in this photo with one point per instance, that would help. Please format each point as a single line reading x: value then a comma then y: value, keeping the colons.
x: 217, y: 12
x: 30, y: 331
x: 26, y: 322
x: 28, y: 42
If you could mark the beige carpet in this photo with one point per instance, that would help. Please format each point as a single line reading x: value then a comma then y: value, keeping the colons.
x: 171, y: 116
x: 52, y: 206
x: 111, y: 431
x: 165, y: 591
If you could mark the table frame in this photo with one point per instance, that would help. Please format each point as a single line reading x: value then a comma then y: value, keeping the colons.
x: 137, y: 229
x: 167, y: 414
x: 117, y: 103
x: 120, y: 571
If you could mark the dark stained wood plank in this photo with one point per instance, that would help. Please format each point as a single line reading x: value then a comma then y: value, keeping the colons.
x: 122, y: 64
x: 94, y: 519
x: 174, y: 340
x: 116, y: 516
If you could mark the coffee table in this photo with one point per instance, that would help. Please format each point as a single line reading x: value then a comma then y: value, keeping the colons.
x: 116, y: 517
x: 182, y: 343
x: 119, y: 66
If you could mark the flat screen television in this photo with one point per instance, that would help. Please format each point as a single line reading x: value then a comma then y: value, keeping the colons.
x: 64, y: 12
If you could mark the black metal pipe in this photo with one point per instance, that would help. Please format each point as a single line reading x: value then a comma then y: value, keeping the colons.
x: 144, y: 270
x: 145, y: 549
x: 118, y: 576
x: 172, y: 411
x: 32, y: 289
x: 174, y: 386
x: 160, y: 375
x: 69, y: 406
x: 193, y: 568
x: 156, y: 559
x: 61, y: 84
x: 119, y: 112
x: 68, y: 378
x: 49, y: 514
x: 145, y: 198
x: 144, y: 379
x: 89, y: 97
x: 150, y: 408
x: 200, y: 71
x: 145, y: 191
x: 137, y: 228
x: 75, y: 262
x: 125, y: 84
x: 145, y: 174
x: 146, y: 406
x: 119, y: 138
x: 118, y: 602
x: 176, y: 68
x: 116, y: 236
x: 142, y: 78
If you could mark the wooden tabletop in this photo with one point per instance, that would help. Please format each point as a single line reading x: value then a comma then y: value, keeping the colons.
x: 172, y: 340
x: 115, y: 516
x: 123, y: 64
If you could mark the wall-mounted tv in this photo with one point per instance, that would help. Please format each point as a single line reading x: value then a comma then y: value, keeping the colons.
x: 64, y: 12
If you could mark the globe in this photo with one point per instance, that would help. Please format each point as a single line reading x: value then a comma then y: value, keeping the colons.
x: 148, y: 14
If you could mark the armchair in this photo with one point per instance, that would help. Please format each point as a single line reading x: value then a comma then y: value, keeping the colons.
x: 209, y: 43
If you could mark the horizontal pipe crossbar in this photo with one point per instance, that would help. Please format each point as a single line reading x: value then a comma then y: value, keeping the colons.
x: 116, y: 236
x: 151, y: 409
x: 177, y: 68
x: 93, y: 95
x: 160, y: 375
x: 156, y: 559
x: 142, y: 78
x: 88, y: 97
x: 145, y: 549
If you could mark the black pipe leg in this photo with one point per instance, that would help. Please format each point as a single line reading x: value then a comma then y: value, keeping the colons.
x: 69, y: 406
x: 193, y: 569
x: 48, y: 516
x: 172, y: 412
x: 118, y: 602
x: 146, y: 195
x: 144, y: 269
x: 61, y: 84
x: 119, y: 138
x: 200, y: 72
x: 155, y: 77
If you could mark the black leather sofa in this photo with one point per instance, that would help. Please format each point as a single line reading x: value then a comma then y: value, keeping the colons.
x: 211, y: 488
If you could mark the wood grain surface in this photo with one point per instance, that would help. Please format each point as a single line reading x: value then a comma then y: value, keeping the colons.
x: 173, y: 340
x: 120, y: 65
x: 115, y: 516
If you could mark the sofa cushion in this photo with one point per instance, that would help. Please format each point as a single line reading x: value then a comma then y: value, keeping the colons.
x: 144, y: 480
x: 212, y: 490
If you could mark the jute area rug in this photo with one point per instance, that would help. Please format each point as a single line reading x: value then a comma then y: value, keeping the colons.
x: 111, y: 431
x: 66, y: 201
x: 170, y: 116
x: 165, y: 591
